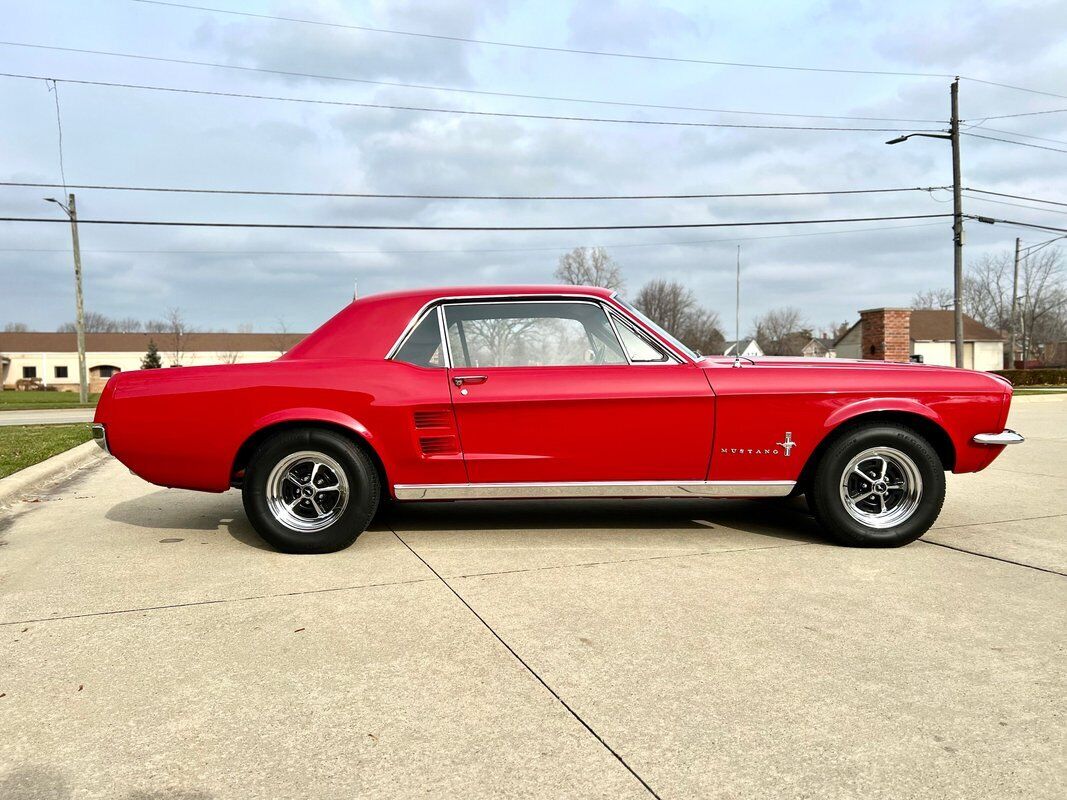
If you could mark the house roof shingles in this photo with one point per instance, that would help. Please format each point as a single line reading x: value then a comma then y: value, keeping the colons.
x: 44, y: 342
x: 936, y: 325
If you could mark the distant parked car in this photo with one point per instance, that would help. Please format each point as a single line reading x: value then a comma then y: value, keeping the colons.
x: 558, y: 391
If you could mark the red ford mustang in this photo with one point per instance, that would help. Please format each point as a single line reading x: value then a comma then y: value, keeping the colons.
x: 557, y: 391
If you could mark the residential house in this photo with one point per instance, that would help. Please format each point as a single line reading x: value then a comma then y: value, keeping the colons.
x: 927, y: 336
x: 819, y: 347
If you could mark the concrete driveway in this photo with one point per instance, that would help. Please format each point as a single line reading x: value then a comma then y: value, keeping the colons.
x: 152, y: 647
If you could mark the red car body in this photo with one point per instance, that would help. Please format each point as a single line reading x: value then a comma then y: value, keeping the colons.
x: 706, y: 426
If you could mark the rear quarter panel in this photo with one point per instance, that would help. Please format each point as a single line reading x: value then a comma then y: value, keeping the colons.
x: 183, y: 427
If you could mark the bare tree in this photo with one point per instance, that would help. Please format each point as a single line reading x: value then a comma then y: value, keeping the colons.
x: 667, y: 303
x: 1042, y: 304
x: 835, y: 330
x: 782, y: 332
x: 229, y: 357
x: 16, y: 327
x: 129, y: 325
x: 675, y: 308
x: 702, y: 331
x: 282, y: 339
x: 95, y: 322
x: 933, y: 299
x: 176, y: 337
x: 590, y: 266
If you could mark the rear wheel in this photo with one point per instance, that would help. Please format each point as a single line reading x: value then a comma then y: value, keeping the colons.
x: 878, y: 486
x: 310, y: 491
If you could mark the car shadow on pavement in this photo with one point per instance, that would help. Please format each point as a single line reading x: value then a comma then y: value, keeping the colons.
x: 784, y: 519
x: 179, y: 510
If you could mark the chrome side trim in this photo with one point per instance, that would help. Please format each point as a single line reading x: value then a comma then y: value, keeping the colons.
x: 100, y: 435
x: 488, y: 491
x: 1006, y: 436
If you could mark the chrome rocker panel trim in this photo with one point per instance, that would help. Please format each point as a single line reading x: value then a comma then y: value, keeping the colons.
x: 1006, y: 436
x: 100, y: 435
x: 515, y: 491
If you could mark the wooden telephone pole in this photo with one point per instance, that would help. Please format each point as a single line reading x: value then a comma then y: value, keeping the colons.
x: 71, y: 210
x: 953, y: 136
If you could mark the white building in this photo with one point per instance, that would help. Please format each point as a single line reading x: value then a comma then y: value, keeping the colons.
x: 749, y: 348
x: 51, y: 359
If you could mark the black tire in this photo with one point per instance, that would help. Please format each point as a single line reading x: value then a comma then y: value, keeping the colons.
x: 301, y: 447
x: 908, y: 456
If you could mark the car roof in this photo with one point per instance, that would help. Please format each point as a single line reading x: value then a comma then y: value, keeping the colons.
x: 428, y: 295
x: 369, y: 326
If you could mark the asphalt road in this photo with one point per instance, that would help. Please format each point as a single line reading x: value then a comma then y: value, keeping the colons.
x: 153, y: 647
x: 46, y: 416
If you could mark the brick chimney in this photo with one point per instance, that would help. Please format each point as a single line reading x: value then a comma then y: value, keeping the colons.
x: 886, y: 334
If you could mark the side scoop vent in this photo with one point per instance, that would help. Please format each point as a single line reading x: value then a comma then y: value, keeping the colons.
x: 433, y: 419
x: 438, y: 445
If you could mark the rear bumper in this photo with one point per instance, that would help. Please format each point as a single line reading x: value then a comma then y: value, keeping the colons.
x: 1006, y: 436
x: 100, y: 435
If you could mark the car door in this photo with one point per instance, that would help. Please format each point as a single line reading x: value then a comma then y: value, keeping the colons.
x: 545, y: 392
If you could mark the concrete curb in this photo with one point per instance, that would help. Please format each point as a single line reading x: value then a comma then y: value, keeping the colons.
x: 35, y: 478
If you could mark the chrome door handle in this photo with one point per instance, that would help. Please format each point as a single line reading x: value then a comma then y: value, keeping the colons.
x: 459, y: 380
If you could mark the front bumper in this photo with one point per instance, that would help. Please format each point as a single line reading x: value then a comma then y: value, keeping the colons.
x: 1006, y: 436
x: 100, y: 435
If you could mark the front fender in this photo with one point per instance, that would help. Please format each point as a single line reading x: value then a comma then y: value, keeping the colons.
x: 872, y: 405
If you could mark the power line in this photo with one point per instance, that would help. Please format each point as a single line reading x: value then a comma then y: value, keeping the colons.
x: 1016, y: 196
x: 604, y: 53
x: 1028, y: 114
x: 367, y: 195
x: 1009, y: 141
x: 1020, y: 135
x: 466, y: 112
x: 565, y: 247
x: 435, y: 88
x: 1016, y: 223
x: 1016, y: 205
x: 341, y: 226
x: 988, y: 83
x: 543, y: 48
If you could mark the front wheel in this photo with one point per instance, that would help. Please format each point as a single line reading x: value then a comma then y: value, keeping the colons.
x: 878, y: 486
x: 310, y: 491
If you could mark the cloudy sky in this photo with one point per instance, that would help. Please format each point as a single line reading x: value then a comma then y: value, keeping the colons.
x: 223, y: 278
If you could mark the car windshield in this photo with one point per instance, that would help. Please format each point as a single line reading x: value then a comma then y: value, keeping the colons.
x: 649, y: 323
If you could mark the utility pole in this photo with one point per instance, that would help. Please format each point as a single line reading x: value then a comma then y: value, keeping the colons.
x: 71, y: 210
x: 957, y: 220
x: 953, y: 137
x: 1014, y: 304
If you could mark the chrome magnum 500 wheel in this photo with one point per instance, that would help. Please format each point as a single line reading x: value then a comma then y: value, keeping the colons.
x: 310, y: 491
x: 879, y: 485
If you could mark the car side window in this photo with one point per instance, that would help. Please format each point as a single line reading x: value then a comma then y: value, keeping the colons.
x: 423, y: 346
x: 638, y: 347
x: 531, y: 333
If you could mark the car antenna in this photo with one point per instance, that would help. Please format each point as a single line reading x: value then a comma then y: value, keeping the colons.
x: 737, y: 313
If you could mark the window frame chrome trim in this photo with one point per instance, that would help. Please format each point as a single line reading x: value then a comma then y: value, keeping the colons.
x: 578, y: 489
x: 609, y: 305
x: 616, y: 319
x: 533, y: 298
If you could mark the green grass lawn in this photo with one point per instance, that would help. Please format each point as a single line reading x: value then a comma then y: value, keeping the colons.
x: 24, y: 445
x: 24, y: 401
